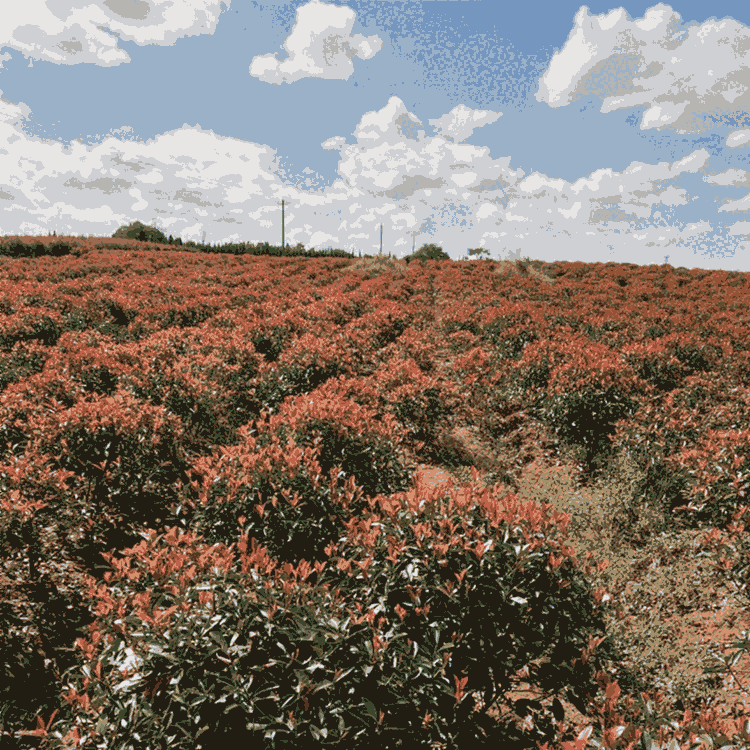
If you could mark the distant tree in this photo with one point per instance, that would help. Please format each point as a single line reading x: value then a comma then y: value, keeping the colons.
x: 480, y: 251
x: 428, y: 252
x: 139, y: 231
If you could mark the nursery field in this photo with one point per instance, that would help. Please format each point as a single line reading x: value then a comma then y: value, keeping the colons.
x: 364, y: 503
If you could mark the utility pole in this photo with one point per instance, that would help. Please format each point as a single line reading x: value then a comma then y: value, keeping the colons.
x: 381, y: 239
x: 282, y: 225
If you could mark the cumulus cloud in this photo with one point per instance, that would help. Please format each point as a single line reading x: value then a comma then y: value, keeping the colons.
x: 180, y: 181
x: 741, y: 204
x: 728, y: 177
x: 321, y: 45
x: 12, y: 112
x: 67, y: 33
x: 738, y: 138
x: 463, y: 195
x: 682, y: 74
x: 461, y: 121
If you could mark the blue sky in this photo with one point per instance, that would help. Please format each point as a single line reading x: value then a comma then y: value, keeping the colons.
x: 550, y: 129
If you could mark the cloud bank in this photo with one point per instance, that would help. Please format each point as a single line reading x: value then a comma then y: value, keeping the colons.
x: 420, y: 187
x: 65, y: 33
x: 684, y: 76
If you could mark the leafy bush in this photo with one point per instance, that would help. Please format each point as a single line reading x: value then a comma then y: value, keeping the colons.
x: 508, y: 340
x: 18, y: 249
x: 123, y: 466
x: 31, y: 663
x: 327, y: 461
x: 662, y: 487
x: 270, y: 342
x: 43, y: 329
x: 23, y: 361
x: 662, y: 376
x: 373, y: 463
x: 587, y: 420
x: 58, y: 249
x: 293, y: 380
x: 424, y: 411
x: 428, y: 252
x: 142, y: 232
x: 415, y: 610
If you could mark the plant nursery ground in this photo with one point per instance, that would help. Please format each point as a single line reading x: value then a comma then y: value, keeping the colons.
x: 156, y: 389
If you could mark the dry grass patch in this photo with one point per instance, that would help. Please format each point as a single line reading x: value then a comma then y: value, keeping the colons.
x: 672, y: 608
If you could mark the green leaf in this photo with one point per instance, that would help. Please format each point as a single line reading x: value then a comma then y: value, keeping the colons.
x: 219, y: 638
x: 370, y: 708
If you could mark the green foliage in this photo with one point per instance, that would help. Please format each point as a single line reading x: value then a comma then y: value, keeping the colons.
x: 536, y: 377
x: 509, y: 346
x: 661, y: 486
x: 31, y: 665
x: 293, y: 380
x: 451, y: 326
x: 141, y: 232
x: 18, y: 249
x: 44, y: 330
x: 360, y: 654
x: 654, y: 332
x: 270, y: 342
x: 423, y: 413
x: 373, y: 463
x: 428, y: 252
x: 693, y: 358
x: 99, y: 380
x: 389, y: 332
x: 21, y: 363
x: 587, y: 420
x: 193, y: 315
x: 290, y: 532
x: 203, y: 419
x: 58, y: 249
x: 662, y: 376
x: 121, y: 482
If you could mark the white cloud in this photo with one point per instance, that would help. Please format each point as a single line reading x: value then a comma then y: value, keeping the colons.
x: 680, y: 74
x: 741, y: 204
x: 11, y: 112
x: 738, y: 138
x: 700, y: 227
x: 321, y: 45
x: 461, y: 121
x: 728, y: 177
x: 67, y: 32
x: 181, y: 179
